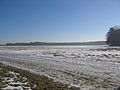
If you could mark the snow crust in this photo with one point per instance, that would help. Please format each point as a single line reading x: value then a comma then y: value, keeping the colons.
x: 84, y: 66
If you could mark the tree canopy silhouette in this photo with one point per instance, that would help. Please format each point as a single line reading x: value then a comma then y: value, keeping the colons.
x: 113, y: 36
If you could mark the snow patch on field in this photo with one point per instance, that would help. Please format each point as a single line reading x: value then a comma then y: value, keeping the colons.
x: 13, y: 81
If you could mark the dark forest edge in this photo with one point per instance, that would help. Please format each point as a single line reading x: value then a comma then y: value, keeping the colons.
x: 113, y: 36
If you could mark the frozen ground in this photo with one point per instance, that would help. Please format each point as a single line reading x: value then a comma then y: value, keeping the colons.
x: 90, y: 68
x: 13, y: 81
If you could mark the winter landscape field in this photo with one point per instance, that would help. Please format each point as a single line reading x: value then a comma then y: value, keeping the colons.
x: 87, y: 67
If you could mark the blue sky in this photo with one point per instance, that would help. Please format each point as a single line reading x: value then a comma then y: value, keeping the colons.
x: 57, y: 20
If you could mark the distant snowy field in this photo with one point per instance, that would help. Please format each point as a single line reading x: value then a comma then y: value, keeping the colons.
x: 89, y: 67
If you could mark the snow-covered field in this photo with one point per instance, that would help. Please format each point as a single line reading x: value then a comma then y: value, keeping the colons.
x: 87, y: 67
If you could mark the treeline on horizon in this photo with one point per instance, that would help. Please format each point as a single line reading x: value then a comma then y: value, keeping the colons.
x: 112, y: 39
x: 62, y: 43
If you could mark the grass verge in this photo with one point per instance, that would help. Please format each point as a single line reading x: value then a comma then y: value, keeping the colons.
x: 41, y: 82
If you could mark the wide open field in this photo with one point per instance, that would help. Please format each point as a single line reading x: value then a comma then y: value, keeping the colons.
x: 87, y: 67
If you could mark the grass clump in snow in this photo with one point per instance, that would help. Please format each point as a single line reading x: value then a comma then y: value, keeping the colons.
x: 36, y: 82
